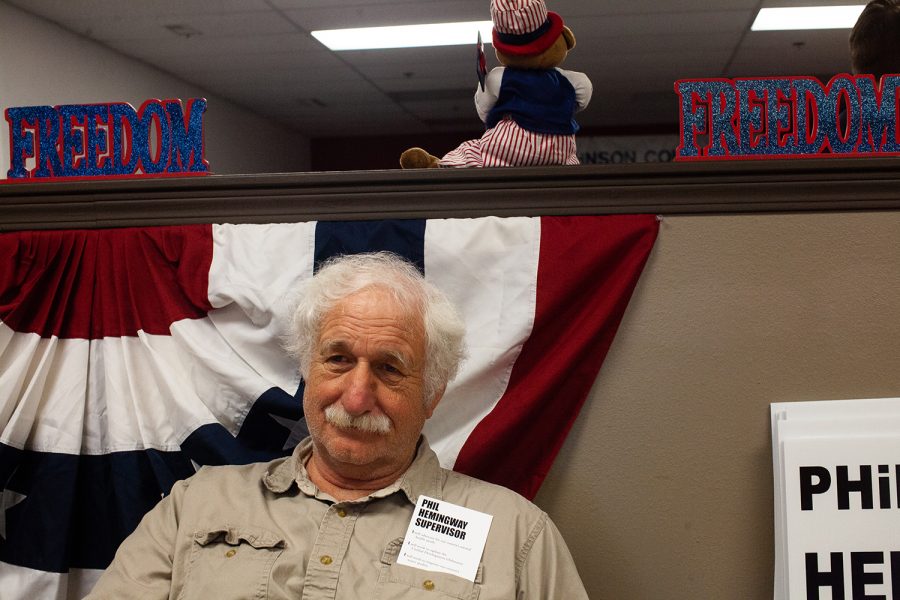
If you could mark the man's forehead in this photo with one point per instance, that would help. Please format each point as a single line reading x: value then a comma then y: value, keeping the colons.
x: 377, y: 307
x: 376, y: 316
x: 398, y: 352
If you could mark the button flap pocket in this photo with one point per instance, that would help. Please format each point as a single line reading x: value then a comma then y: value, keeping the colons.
x: 231, y: 562
x: 391, y: 551
x: 234, y: 536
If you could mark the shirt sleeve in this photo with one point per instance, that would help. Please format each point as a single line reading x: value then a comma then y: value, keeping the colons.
x: 546, y: 569
x: 583, y: 87
x: 487, y: 98
x: 142, y: 567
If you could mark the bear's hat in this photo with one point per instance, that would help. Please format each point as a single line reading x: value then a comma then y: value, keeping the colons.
x: 524, y: 27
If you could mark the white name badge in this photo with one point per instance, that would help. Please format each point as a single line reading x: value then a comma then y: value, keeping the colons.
x: 445, y: 537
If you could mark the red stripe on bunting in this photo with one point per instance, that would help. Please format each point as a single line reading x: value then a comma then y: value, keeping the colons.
x: 91, y: 284
x: 587, y: 271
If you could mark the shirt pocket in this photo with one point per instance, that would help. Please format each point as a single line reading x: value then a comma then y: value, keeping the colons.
x: 400, y: 582
x: 231, y: 562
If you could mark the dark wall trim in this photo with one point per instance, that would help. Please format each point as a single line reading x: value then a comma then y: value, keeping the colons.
x: 673, y: 188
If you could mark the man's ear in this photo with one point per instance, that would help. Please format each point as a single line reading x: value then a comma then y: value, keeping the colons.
x: 429, y: 410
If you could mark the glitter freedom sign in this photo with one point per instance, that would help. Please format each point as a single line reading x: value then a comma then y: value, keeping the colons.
x: 162, y: 137
x: 788, y: 117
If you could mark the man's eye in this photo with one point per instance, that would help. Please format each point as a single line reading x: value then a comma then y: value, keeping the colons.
x: 336, y: 359
x: 391, y: 369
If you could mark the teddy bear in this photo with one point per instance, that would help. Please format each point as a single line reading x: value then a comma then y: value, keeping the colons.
x: 528, y: 104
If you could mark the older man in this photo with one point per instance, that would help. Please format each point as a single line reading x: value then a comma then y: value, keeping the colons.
x: 376, y: 345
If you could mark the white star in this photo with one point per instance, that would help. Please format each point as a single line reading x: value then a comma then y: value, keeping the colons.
x: 298, y: 430
x: 8, y: 499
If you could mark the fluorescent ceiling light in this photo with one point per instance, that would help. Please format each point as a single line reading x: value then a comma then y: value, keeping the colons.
x: 405, y: 36
x: 807, y: 17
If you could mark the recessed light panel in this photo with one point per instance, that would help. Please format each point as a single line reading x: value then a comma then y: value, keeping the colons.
x: 806, y: 17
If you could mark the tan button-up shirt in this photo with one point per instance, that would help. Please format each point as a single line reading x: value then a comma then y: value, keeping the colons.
x: 266, y: 531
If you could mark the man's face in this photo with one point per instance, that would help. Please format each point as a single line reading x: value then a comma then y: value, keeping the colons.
x: 368, y: 364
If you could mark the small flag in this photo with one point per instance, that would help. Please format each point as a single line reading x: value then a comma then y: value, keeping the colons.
x: 480, y: 62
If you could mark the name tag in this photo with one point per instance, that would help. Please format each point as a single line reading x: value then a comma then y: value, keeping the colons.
x: 445, y: 537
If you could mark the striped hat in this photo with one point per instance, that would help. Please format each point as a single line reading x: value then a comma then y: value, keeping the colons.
x: 524, y: 27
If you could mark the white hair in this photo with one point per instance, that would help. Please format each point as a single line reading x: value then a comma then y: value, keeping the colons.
x: 345, y: 275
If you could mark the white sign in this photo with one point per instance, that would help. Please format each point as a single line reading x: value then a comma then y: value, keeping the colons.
x: 837, y: 499
x: 445, y: 537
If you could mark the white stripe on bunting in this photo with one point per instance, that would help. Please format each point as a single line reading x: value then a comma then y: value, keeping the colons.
x: 489, y: 269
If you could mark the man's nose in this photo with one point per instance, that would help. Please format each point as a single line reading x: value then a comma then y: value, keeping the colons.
x: 359, y: 396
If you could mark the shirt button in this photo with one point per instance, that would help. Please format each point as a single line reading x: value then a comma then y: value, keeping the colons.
x: 325, y: 559
x: 230, y: 553
x: 341, y: 513
x: 428, y: 584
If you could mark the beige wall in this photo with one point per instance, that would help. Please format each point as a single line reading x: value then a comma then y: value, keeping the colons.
x: 664, y: 487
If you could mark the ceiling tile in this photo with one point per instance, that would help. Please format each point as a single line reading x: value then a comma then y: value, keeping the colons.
x: 67, y: 10
x: 156, y: 28
x: 333, y: 16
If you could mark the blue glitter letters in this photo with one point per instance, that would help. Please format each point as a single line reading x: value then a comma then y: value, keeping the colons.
x: 103, y: 140
x: 791, y: 116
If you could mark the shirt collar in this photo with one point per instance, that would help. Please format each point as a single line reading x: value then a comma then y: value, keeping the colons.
x: 423, y: 477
